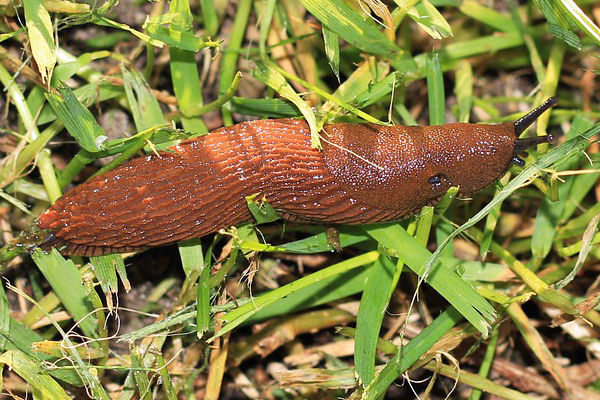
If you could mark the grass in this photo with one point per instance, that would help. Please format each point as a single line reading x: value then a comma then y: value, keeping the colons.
x: 464, y: 292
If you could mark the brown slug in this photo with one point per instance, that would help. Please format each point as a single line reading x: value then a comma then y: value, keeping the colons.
x: 364, y: 174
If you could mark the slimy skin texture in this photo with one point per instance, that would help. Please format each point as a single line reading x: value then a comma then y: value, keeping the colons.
x: 364, y: 174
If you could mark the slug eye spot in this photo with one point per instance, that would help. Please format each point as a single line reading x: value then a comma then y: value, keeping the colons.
x: 436, y: 180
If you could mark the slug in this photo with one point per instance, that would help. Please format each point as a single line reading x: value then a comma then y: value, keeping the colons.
x: 365, y: 174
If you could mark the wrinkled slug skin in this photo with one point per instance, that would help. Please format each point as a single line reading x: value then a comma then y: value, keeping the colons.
x: 365, y: 174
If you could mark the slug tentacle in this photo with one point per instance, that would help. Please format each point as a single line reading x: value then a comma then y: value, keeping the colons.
x: 365, y: 174
x: 525, y: 143
x: 523, y: 123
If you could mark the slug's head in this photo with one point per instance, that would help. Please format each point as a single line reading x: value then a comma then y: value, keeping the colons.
x: 477, y: 155
x: 404, y: 168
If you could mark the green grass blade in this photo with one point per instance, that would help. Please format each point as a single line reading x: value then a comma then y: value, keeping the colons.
x: 78, y: 120
x: 549, y: 213
x: 268, y: 75
x: 534, y: 54
x: 463, y: 90
x: 21, y: 338
x: 13, y: 165
x: 203, y: 302
x: 176, y: 318
x: 144, y: 355
x: 65, y: 279
x: 105, y: 268
x: 89, y: 94
x: 193, y: 263
x: 167, y: 382
x: 261, y: 210
x: 549, y: 88
x: 191, y: 255
x: 141, y: 376
x: 546, y: 220
x: 376, y: 91
x: 383, y: 277
x: 443, y: 227
x: 66, y: 70
x: 265, y: 24
x: 146, y: 38
x: 41, y: 38
x: 410, y: 353
x: 494, y: 19
x: 314, y: 244
x: 359, y: 82
x: 326, y: 95
x: 581, y: 187
x: 491, y: 222
x: 6, y: 36
x: 62, y: 73
x: 219, y: 102
x: 332, y: 51
x: 339, y: 17
x: 430, y: 20
x: 4, y: 319
x: 486, y: 364
x: 210, y: 17
x: 81, y: 368
x: 184, y: 71
x: 142, y: 102
x: 564, y: 16
x: 266, y: 108
x: 589, y: 239
x: 445, y: 281
x: 407, y: 119
x: 177, y: 38
x: 322, y: 292
x: 582, y: 20
x: 424, y: 222
x: 44, y: 386
x: 460, y: 50
x: 239, y: 315
x: 230, y: 57
x: 435, y: 90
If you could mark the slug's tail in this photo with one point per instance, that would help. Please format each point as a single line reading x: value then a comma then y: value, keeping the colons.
x: 66, y: 247
x: 149, y: 201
